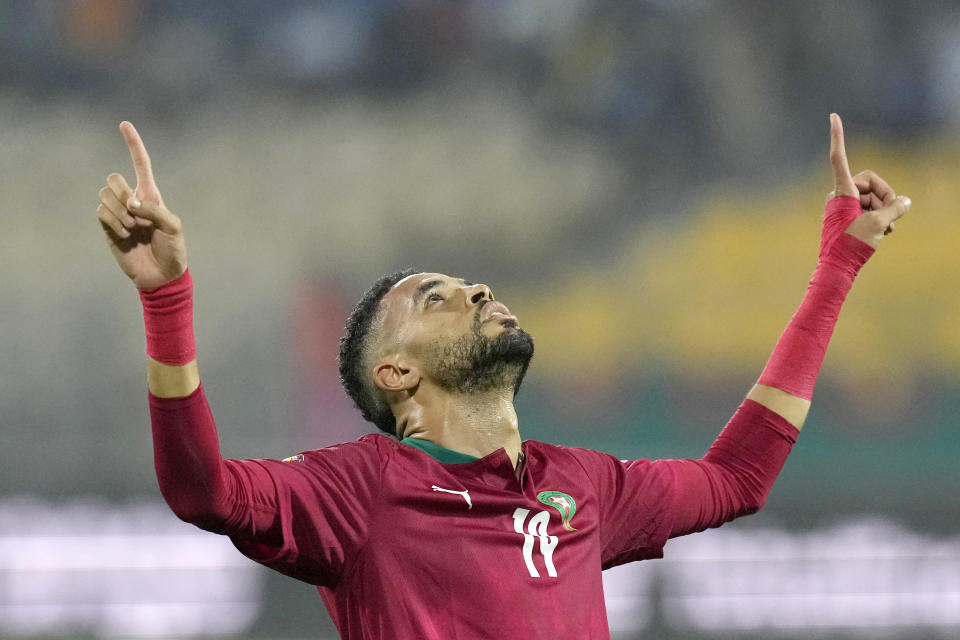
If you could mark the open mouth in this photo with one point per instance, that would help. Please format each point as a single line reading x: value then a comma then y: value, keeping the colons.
x: 496, y: 311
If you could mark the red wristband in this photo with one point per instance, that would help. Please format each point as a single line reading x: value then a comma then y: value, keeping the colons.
x: 795, y: 363
x: 838, y: 214
x: 168, y: 321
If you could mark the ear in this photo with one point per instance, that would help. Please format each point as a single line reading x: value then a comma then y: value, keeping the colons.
x: 396, y: 376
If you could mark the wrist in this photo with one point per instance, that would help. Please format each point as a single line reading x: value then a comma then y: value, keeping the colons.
x: 168, y: 321
x: 839, y: 212
x: 848, y: 253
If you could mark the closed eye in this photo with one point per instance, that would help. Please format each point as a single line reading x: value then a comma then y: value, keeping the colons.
x: 433, y: 297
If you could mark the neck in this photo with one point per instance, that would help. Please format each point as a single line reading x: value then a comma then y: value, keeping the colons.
x: 475, y: 424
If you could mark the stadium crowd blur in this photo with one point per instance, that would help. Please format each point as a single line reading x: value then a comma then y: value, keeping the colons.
x: 640, y: 181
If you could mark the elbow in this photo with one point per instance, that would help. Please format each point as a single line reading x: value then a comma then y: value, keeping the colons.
x: 203, y: 513
x: 752, y: 499
x: 746, y: 488
x: 750, y: 508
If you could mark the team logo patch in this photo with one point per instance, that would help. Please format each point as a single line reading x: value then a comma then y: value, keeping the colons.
x: 562, y: 502
x: 296, y: 458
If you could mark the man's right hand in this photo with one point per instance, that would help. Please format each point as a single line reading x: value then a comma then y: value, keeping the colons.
x: 146, y: 239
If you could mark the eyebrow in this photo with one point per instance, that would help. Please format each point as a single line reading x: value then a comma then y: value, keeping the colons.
x: 430, y: 285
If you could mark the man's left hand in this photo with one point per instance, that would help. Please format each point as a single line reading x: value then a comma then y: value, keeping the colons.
x: 880, y: 204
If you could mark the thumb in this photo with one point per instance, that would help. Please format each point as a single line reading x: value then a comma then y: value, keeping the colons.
x: 894, y: 211
x: 156, y: 213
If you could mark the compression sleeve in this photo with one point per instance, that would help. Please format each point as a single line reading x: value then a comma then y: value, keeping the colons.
x: 194, y: 479
x: 223, y: 496
x: 306, y: 516
x: 168, y: 321
x: 735, y: 476
x: 795, y: 362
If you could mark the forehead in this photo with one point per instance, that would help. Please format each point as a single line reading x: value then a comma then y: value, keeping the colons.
x: 398, y: 302
x: 409, y: 286
x: 400, y: 298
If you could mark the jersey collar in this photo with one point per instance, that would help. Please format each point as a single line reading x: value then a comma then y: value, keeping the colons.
x: 438, y: 453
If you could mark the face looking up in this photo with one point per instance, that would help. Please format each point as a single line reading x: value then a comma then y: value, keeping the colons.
x: 454, y: 333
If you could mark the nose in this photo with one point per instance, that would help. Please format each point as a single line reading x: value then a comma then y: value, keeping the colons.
x: 477, y: 293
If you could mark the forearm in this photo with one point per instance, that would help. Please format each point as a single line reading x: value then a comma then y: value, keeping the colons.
x: 172, y: 381
x: 787, y: 381
x: 190, y: 470
x: 737, y: 473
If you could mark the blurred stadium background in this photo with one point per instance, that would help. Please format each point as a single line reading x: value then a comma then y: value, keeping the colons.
x: 640, y: 181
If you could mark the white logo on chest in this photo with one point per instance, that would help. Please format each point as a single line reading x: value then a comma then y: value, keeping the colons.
x: 464, y: 494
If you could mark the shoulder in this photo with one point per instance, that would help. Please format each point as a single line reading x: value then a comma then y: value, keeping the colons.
x: 598, y: 466
x: 577, y: 455
x: 367, y: 452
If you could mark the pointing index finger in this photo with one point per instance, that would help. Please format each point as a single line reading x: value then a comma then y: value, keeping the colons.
x: 838, y: 159
x: 138, y: 153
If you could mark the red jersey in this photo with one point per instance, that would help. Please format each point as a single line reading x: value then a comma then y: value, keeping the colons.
x: 402, y: 543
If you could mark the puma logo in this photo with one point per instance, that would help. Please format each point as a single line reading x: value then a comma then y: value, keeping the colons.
x: 464, y: 494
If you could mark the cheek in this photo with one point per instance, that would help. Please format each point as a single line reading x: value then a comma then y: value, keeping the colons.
x: 427, y: 336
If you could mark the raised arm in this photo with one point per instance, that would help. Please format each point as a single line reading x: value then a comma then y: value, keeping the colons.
x: 863, y: 207
x: 736, y: 474
x: 147, y: 242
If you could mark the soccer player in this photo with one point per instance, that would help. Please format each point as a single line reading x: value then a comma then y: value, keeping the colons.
x: 449, y: 525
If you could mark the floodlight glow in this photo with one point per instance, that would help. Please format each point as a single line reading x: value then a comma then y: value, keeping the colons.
x: 119, y: 571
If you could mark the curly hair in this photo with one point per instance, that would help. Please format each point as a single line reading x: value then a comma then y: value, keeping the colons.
x: 354, y: 351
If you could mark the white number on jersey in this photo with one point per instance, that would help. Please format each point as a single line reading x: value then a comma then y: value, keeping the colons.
x: 536, y: 528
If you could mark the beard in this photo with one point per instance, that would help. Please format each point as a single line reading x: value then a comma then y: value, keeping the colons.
x: 474, y: 363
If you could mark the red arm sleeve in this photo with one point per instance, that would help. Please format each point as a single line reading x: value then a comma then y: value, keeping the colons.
x: 735, y: 476
x: 307, y: 518
x: 193, y: 478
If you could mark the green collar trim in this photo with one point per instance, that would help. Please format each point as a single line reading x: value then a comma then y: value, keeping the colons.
x: 438, y: 453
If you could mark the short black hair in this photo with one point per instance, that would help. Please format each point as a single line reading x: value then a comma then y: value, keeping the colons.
x: 353, y: 352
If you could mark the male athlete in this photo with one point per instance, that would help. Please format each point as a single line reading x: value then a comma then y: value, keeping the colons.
x: 451, y: 526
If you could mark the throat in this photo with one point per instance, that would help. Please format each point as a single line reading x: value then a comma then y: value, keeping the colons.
x: 473, y: 426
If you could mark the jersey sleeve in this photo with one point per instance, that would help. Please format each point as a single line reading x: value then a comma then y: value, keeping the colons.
x: 644, y: 503
x: 737, y: 473
x: 636, y: 498
x: 316, y: 507
x: 306, y: 517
